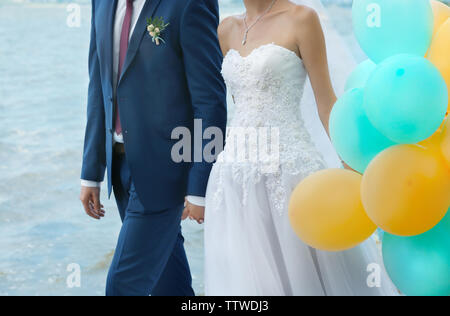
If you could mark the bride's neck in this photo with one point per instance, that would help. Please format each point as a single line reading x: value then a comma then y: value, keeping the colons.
x: 256, y: 7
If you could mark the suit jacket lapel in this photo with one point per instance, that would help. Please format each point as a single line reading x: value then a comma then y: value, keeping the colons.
x: 106, y: 48
x: 139, y: 31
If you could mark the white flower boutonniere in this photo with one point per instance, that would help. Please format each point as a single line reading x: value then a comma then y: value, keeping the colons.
x: 155, y: 27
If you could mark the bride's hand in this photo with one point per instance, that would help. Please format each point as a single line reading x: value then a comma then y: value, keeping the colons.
x: 194, y: 212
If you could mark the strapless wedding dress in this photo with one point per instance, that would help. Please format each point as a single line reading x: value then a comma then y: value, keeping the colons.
x: 250, y: 248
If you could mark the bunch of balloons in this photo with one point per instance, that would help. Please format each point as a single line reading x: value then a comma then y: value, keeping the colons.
x: 390, y: 126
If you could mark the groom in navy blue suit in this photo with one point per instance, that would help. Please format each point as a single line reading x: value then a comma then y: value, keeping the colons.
x: 140, y: 90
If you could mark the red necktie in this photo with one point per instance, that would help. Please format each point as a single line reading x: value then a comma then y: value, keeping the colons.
x: 124, y: 37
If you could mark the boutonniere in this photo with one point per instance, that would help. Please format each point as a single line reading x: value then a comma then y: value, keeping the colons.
x: 155, y: 26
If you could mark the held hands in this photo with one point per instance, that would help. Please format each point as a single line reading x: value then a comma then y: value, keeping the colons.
x: 90, y: 198
x: 194, y: 212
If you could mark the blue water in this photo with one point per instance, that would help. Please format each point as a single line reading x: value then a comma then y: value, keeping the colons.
x: 43, y: 83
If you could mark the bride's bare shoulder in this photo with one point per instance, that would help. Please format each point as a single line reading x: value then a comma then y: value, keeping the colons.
x: 304, y: 18
x: 228, y: 28
x: 229, y: 24
x: 303, y: 14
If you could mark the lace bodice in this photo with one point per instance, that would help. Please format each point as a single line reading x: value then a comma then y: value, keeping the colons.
x: 267, y: 88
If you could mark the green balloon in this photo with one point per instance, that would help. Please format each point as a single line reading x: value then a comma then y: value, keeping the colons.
x: 360, y: 75
x: 420, y: 265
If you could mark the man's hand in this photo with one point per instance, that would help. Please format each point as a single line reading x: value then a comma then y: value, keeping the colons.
x: 90, y: 198
x: 194, y: 212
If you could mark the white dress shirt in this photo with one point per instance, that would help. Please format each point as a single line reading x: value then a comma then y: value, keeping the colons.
x: 138, y: 5
x: 120, y: 16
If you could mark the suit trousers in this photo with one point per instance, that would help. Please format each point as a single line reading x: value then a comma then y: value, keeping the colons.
x: 150, y: 258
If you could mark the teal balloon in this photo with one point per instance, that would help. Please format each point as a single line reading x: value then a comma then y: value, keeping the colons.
x: 420, y: 265
x: 406, y: 99
x: 360, y: 75
x: 352, y: 134
x: 386, y: 27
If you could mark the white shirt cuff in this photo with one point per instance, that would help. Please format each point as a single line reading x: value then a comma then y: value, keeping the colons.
x: 118, y: 138
x: 90, y: 184
x: 196, y: 200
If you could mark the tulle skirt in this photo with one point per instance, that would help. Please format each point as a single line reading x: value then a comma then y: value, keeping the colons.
x: 252, y: 250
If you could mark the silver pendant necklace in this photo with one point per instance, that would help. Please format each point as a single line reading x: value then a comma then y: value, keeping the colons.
x: 248, y: 28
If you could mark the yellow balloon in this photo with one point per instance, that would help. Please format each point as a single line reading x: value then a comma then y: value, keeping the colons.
x: 433, y: 142
x: 326, y: 211
x: 406, y: 190
x: 441, y: 14
x: 440, y: 51
x: 445, y: 143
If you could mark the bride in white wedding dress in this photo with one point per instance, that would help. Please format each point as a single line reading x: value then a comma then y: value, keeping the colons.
x: 274, y: 54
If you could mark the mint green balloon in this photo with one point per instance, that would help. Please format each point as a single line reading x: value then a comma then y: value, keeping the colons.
x: 360, y: 75
x: 389, y: 27
x: 406, y: 98
x: 420, y: 265
x: 353, y: 136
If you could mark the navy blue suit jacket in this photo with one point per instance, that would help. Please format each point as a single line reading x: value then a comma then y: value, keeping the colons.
x: 160, y: 88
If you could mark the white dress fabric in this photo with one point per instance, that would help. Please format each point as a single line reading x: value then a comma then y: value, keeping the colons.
x: 250, y: 247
